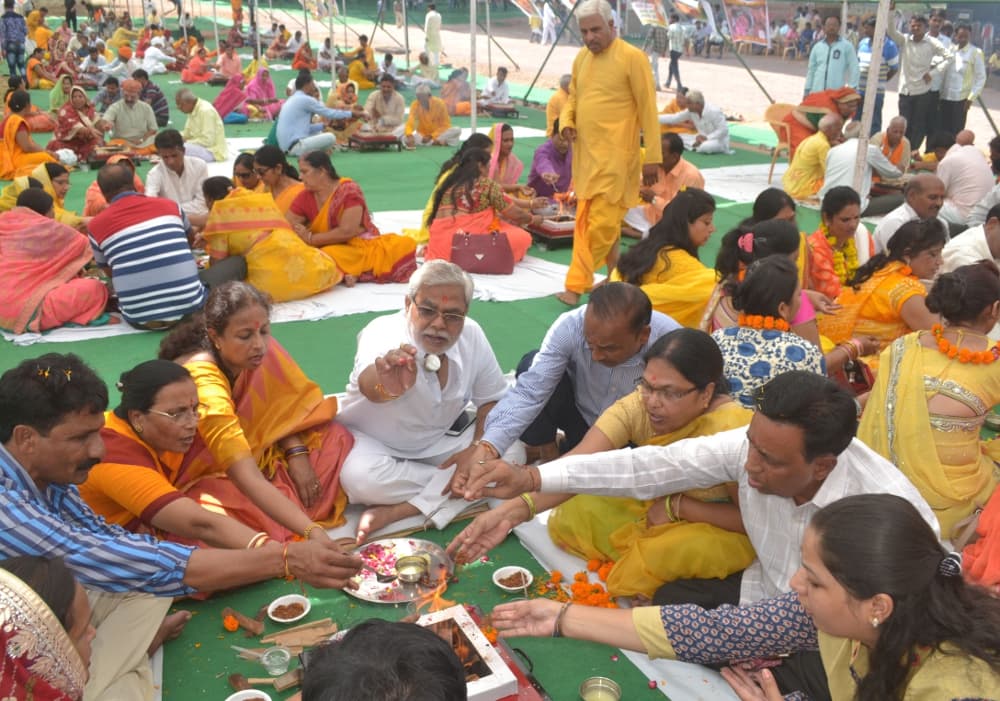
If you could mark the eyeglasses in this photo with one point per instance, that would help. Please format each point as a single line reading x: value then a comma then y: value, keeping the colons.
x: 182, y: 415
x: 244, y: 176
x: 262, y: 171
x: 646, y: 390
x: 430, y: 314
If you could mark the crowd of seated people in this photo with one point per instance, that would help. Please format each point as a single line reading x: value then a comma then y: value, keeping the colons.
x: 722, y: 433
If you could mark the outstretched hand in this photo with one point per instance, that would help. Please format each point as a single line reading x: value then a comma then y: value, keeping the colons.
x: 535, y: 618
x: 507, y: 480
x: 397, y: 369
x: 323, y: 563
x: 486, y: 531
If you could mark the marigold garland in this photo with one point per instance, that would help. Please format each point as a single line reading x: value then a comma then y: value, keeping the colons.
x: 581, y: 590
x: 845, y: 256
x: 964, y: 355
x: 768, y: 323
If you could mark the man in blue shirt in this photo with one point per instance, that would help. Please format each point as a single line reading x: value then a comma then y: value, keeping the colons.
x: 295, y: 131
x: 832, y: 62
x: 13, y: 32
x: 886, y: 70
x: 51, y: 413
x: 590, y: 358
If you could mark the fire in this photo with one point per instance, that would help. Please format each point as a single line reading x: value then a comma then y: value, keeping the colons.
x: 433, y: 600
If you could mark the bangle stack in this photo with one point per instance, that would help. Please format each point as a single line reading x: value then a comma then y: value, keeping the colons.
x: 294, y: 451
x: 284, y: 561
x: 557, y: 626
x: 853, y: 347
x: 384, y: 393
x: 673, y: 512
x: 258, y: 540
x: 529, y: 500
x: 309, y: 529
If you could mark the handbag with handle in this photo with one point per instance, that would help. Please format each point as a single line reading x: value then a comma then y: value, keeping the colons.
x: 488, y: 254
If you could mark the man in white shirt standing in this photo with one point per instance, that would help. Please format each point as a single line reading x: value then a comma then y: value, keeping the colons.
x: 713, y: 130
x: 675, y: 38
x: 935, y: 22
x: 798, y: 455
x: 549, y: 20
x: 963, y: 81
x: 414, y: 374
x: 432, y: 34
x: 922, y: 57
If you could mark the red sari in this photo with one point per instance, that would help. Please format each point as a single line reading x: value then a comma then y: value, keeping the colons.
x: 72, y: 128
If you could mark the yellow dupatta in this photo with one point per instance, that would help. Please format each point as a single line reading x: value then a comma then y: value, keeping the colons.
x: 614, y: 528
x: 284, y: 200
x: 62, y: 215
x: 873, y: 308
x: 679, y: 285
x: 942, y: 456
x: 278, y: 261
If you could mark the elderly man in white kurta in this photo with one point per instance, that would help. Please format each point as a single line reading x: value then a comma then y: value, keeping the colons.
x: 414, y: 374
x: 709, y: 121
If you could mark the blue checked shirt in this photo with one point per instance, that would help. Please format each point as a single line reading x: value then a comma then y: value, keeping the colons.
x: 59, y: 524
x: 13, y: 28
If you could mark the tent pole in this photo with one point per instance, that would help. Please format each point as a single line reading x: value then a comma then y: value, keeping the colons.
x: 489, y: 47
x: 552, y: 48
x: 406, y: 33
x: 987, y: 113
x: 215, y: 24
x: 497, y: 44
x: 868, y: 108
x: 472, y: 65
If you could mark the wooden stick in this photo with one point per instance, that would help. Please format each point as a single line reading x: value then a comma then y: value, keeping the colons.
x: 297, y: 629
x: 247, y: 623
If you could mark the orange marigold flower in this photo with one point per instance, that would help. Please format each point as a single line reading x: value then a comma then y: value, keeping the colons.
x: 557, y: 576
x: 231, y: 624
x: 593, y: 564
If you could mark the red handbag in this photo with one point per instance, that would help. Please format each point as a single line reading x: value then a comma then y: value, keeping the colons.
x: 487, y: 254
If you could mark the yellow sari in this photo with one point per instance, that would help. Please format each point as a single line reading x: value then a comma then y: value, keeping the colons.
x: 62, y: 215
x: 613, y: 528
x: 874, y: 308
x: 278, y: 261
x: 14, y: 161
x: 942, y: 455
x: 678, y: 285
x: 370, y: 255
x: 287, y: 196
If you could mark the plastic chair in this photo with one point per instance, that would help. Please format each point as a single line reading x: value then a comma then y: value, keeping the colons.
x: 774, y: 116
x: 790, y: 49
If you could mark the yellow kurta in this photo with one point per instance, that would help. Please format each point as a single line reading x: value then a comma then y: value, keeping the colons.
x: 554, y: 107
x: 615, y: 528
x: 617, y: 88
x: 678, y: 285
x: 432, y: 122
x: 805, y: 173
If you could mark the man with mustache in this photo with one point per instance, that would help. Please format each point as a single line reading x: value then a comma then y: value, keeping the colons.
x: 415, y: 372
x: 51, y: 414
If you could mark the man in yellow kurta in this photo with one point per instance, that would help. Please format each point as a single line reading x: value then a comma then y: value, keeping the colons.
x: 806, y: 172
x: 554, y: 107
x: 34, y: 20
x: 611, y: 98
x: 429, y: 123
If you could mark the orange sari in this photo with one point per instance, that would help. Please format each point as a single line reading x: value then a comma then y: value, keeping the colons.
x: 287, y: 196
x: 247, y: 419
x: 371, y: 255
x: 14, y: 161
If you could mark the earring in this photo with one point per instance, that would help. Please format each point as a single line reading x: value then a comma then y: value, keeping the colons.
x: 138, y: 429
x: 875, y: 622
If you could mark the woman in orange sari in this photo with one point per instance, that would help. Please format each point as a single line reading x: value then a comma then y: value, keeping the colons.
x: 468, y: 200
x: 886, y: 299
x: 840, y: 245
x: 268, y: 451
x: 19, y: 153
x: 38, y: 121
x: 94, y: 202
x: 197, y: 70
x: 40, y: 283
x: 332, y: 215
x: 280, y: 179
x: 303, y: 58
x: 803, y: 121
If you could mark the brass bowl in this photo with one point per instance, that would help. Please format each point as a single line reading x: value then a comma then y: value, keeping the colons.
x: 600, y: 689
x: 411, y: 568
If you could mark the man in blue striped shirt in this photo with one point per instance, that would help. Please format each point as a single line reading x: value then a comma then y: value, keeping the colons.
x: 51, y: 413
x: 590, y: 358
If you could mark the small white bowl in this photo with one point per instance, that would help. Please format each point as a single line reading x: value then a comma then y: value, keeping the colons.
x: 285, y: 601
x: 248, y: 694
x: 505, y: 572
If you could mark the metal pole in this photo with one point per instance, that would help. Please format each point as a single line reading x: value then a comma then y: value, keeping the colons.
x: 497, y: 44
x: 871, y: 90
x: 732, y: 49
x: 406, y: 34
x: 330, y: 5
x: 305, y: 18
x: 215, y: 24
x: 260, y: 48
x: 344, y: 17
x: 472, y: 65
x: 563, y: 28
x: 987, y: 113
x: 489, y: 34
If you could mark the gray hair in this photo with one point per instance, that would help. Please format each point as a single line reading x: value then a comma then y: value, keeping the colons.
x: 852, y: 130
x: 185, y: 95
x: 565, y: 81
x: 423, y: 90
x: 695, y: 97
x: 589, y: 8
x: 440, y: 272
x: 899, y: 118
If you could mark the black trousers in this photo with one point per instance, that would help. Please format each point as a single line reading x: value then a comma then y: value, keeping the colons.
x: 559, y: 412
x: 953, y: 114
x: 675, y: 71
x: 918, y: 111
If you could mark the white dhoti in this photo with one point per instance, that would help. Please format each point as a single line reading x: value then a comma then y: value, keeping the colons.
x: 636, y: 218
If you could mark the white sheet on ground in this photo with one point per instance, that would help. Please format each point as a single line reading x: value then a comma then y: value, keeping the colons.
x: 532, y: 277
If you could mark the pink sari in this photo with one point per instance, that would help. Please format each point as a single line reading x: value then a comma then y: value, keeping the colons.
x: 508, y: 172
x: 40, y: 260
x: 231, y: 98
x: 261, y: 87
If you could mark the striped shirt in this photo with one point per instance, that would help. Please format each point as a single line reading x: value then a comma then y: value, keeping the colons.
x: 890, y: 59
x: 57, y: 523
x: 565, y: 351
x: 144, y: 242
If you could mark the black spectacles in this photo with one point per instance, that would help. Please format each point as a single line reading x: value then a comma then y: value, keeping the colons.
x: 430, y: 313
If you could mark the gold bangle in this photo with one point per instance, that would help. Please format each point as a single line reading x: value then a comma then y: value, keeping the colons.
x: 677, y: 507
x: 257, y: 540
x: 284, y: 561
x: 527, y: 499
x: 384, y: 393
x: 669, y: 509
x: 309, y: 529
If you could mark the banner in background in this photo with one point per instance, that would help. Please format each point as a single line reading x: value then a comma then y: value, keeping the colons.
x: 689, y: 8
x: 747, y: 20
x: 527, y: 7
x: 649, y: 13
